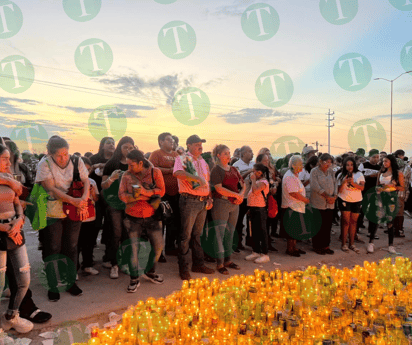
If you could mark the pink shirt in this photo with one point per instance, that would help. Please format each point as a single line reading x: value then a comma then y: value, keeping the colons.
x: 255, y: 199
x: 202, y: 170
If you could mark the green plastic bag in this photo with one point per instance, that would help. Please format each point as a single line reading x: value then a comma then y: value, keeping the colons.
x: 37, y: 212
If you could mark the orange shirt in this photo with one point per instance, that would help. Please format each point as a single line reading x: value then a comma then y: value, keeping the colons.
x: 140, y: 208
x: 162, y: 159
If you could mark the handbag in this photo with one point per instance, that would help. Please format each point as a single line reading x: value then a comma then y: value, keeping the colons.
x: 164, y: 212
x: 272, y: 206
x: 54, y: 207
x: 76, y: 191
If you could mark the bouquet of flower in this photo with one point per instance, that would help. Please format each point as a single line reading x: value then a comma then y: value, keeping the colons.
x: 188, y: 166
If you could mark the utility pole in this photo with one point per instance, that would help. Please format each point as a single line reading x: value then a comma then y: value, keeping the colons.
x: 329, y: 127
x: 317, y: 145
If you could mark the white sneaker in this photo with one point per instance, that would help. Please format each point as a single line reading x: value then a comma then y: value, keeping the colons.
x: 91, y: 270
x: 114, y: 272
x: 17, y: 323
x: 252, y: 257
x: 392, y: 250
x: 263, y: 259
x: 107, y: 264
x: 370, y: 248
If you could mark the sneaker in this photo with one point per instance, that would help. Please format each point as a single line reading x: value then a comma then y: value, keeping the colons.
x: 252, y: 257
x: 75, y: 290
x: 53, y: 296
x: 91, y: 270
x: 19, y: 324
x: 107, y: 264
x: 392, y: 250
x: 370, y: 248
x: 154, y: 278
x: 133, y: 285
x: 263, y: 259
x: 114, y: 272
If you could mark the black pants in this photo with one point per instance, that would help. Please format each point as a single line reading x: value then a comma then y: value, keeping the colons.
x: 173, y: 228
x: 373, y: 227
x: 322, y: 239
x: 243, y: 208
x: 87, y: 241
x: 258, y: 216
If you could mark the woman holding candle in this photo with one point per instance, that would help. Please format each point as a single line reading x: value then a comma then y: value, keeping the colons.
x: 390, y: 180
x: 226, y: 199
x: 256, y: 201
x: 140, y: 212
x: 351, y: 184
x: 293, y: 200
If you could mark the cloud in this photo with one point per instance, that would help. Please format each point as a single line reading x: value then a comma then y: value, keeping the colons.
x: 153, y: 89
x: 406, y: 116
x: 132, y: 110
x: 78, y: 110
x: 236, y: 9
x: 255, y: 115
x: 8, y: 108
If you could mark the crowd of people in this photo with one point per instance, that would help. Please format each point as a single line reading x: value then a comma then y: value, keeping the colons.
x: 229, y: 202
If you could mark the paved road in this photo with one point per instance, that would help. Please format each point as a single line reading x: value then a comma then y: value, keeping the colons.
x: 102, y: 295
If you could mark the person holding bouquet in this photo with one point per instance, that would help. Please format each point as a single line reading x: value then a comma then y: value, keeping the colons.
x: 193, y: 175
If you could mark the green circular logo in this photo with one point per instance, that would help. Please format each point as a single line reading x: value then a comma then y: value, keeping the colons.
x: 285, y: 145
x: 403, y: 5
x: 30, y: 136
x: 302, y: 226
x: 260, y: 22
x: 107, y: 121
x: 58, y: 274
x: 16, y: 74
x: 93, y: 57
x: 352, y: 72
x: 190, y: 106
x: 70, y: 333
x: 82, y: 10
x: 165, y: 2
x: 217, y: 240
x: 11, y: 19
x: 177, y: 39
x: 338, y: 12
x: 380, y: 207
x: 406, y: 57
x: 368, y: 134
x: 135, y: 256
x: 274, y: 88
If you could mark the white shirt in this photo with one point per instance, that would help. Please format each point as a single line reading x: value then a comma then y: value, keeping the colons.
x: 303, y: 176
x: 242, y: 166
x: 292, y: 184
x: 351, y: 194
x: 62, y: 177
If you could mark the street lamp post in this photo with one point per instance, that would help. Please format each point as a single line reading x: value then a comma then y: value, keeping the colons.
x: 391, y: 81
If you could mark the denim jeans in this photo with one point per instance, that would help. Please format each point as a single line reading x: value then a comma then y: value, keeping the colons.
x: 135, y: 227
x: 193, y: 215
x: 243, y: 208
x: 225, y: 215
x: 61, y: 237
x: 117, y: 233
x: 21, y: 272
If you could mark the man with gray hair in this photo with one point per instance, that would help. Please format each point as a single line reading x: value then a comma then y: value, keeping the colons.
x: 245, y: 167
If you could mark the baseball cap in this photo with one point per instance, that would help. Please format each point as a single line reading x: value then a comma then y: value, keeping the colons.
x: 194, y: 139
x: 308, y: 149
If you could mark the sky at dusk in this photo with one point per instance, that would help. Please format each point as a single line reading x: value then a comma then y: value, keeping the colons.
x: 232, y: 63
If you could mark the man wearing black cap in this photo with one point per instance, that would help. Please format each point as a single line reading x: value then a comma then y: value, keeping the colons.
x: 193, y: 205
